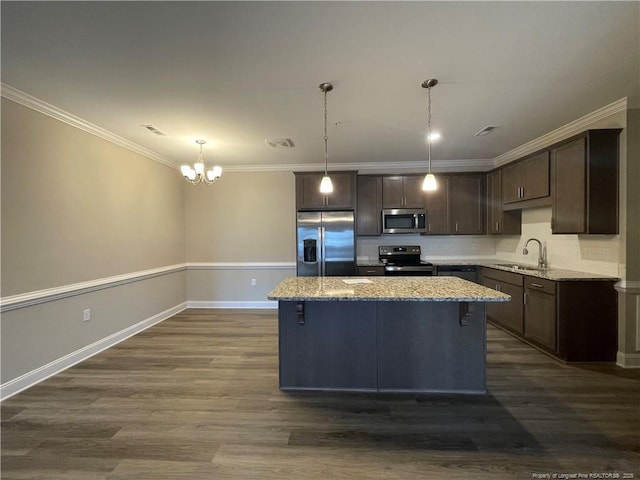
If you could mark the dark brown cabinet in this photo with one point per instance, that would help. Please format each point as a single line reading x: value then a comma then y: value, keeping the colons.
x: 526, y: 179
x: 585, y: 183
x: 370, y: 271
x: 500, y: 221
x: 540, y: 312
x: 509, y: 315
x: 574, y: 320
x: 308, y: 196
x: 437, y: 204
x: 369, y: 205
x: 457, y: 206
x: 402, y: 191
x: 467, y: 204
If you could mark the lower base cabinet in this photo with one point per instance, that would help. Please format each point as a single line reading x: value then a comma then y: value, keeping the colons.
x: 540, y: 302
x: 574, y: 320
x: 509, y: 315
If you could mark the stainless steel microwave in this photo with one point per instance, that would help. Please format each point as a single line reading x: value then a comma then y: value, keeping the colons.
x: 404, y: 220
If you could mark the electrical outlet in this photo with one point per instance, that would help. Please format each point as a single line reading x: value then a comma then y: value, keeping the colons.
x: 86, y: 315
x: 254, y: 282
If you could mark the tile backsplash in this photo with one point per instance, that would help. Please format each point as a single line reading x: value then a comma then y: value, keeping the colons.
x: 585, y: 253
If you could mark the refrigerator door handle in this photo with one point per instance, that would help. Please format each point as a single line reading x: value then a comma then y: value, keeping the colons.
x: 322, y: 265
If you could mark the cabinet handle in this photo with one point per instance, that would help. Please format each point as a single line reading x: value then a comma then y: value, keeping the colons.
x: 498, y: 287
x: 497, y: 226
x: 522, y: 192
x: 456, y: 227
x: 370, y: 271
x: 524, y: 298
x: 537, y: 285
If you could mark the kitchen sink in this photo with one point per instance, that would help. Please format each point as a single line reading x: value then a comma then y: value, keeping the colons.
x: 518, y: 267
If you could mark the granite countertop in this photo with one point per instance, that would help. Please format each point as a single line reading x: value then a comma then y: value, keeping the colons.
x: 555, y: 274
x: 417, y: 289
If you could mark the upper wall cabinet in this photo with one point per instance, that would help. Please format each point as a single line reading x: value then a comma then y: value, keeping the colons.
x: 585, y: 183
x: 308, y: 196
x: 402, y: 192
x: 526, y: 179
x: 500, y: 221
x: 457, y: 206
x: 368, y: 217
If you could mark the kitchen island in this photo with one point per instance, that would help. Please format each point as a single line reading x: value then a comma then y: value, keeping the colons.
x: 383, y: 334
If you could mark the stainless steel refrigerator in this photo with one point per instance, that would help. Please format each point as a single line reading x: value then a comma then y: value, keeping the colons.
x: 326, y: 244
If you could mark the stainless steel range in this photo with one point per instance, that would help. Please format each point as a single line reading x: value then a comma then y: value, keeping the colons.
x: 404, y: 260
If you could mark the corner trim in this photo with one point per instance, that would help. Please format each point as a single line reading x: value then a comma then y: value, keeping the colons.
x: 28, y: 299
x: 232, y: 304
x: 57, y: 113
x: 571, y: 128
x: 29, y: 379
x: 628, y: 360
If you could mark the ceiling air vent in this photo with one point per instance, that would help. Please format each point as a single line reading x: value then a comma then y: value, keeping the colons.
x: 153, y: 129
x: 485, y: 131
x: 280, y: 142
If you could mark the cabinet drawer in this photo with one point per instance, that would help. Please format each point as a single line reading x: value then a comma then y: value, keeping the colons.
x: 370, y: 271
x: 540, y: 284
x: 502, y: 276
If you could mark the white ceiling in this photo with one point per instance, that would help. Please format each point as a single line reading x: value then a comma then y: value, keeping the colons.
x: 237, y: 73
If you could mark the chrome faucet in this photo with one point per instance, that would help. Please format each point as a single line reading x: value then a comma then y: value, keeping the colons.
x: 542, y: 253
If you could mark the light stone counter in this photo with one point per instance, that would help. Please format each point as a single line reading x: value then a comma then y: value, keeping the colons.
x: 414, y: 289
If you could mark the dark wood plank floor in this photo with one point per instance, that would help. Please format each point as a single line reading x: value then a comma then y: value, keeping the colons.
x: 196, y: 397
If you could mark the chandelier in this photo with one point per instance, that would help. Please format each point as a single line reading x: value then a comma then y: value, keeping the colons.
x: 326, y: 186
x: 430, y: 183
x: 196, y: 174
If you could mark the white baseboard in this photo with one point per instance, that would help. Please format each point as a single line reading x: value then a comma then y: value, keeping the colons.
x: 228, y: 304
x: 628, y: 360
x: 29, y: 379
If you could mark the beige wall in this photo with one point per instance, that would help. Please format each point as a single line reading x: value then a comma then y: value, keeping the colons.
x: 245, y: 217
x: 76, y: 208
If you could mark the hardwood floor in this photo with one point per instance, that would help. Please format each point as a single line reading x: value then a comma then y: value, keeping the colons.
x: 196, y: 397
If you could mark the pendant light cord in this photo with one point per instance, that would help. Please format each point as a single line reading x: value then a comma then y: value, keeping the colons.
x: 326, y: 152
x: 429, y: 125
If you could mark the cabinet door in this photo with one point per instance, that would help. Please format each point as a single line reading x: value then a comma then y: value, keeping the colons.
x: 512, y: 181
x: 513, y: 312
x: 467, y: 195
x: 540, y: 316
x: 308, y: 194
x: 334, y: 347
x: 343, y: 191
x: 438, y: 208
x: 494, y: 202
x: 536, y: 177
x: 413, y: 193
x: 392, y: 192
x: 493, y: 309
x: 369, y: 211
x: 569, y: 199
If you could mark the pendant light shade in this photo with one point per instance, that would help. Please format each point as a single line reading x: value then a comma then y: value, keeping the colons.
x: 326, y: 185
x: 430, y: 184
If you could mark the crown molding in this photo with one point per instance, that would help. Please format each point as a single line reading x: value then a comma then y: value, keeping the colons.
x: 29, y: 101
x: 566, y: 131
x: 438, y: 166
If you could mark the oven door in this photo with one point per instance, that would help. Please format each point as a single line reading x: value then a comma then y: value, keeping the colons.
x: 409, y: 270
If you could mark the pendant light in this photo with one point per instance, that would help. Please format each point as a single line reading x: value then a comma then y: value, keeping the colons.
x: 326, y: 186
x: 196, y: 174
x: 430, y: 184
